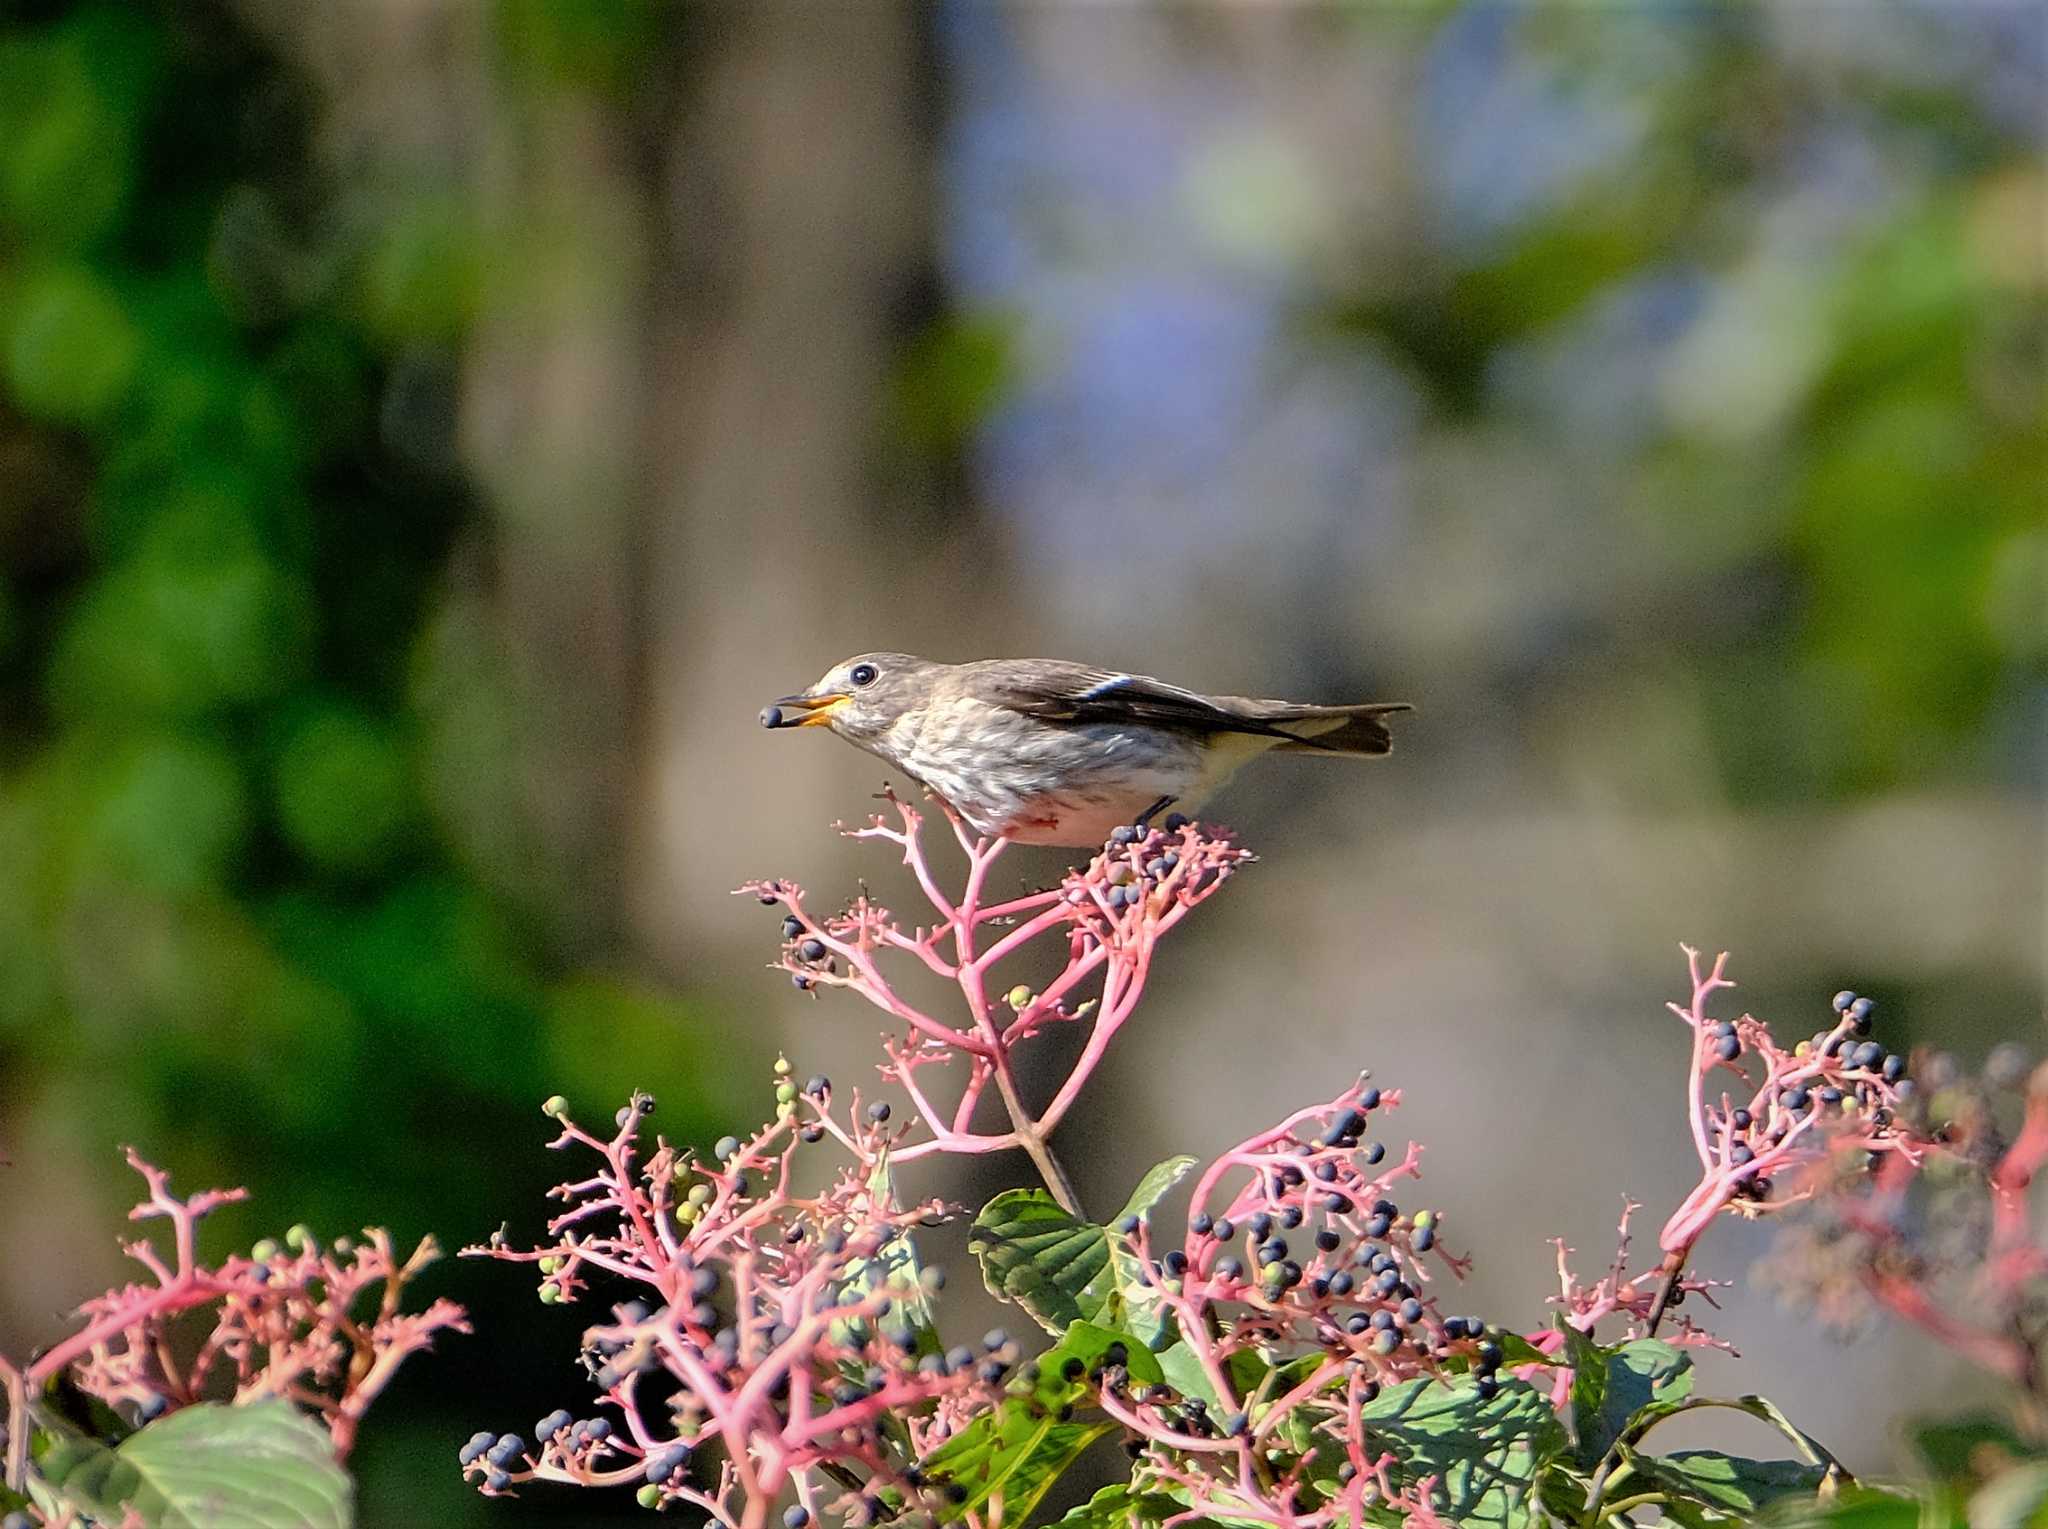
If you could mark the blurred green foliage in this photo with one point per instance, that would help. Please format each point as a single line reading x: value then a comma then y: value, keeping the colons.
x: 1846, y: 449
x: 249, y: 924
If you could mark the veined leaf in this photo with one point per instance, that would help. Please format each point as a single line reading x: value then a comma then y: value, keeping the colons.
x: 209, y: 1466
x: 1729, y: 1483
x: 1037, y: 1256
x: 1485, y: 1453
x: 1612, y: 1386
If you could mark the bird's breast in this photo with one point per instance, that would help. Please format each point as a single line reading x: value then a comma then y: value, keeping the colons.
x: 1041, y: 782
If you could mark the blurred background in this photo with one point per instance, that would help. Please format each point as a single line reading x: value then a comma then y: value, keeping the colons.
x: 430, y: 429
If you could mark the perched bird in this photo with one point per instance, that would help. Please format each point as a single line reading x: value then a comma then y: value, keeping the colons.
x: 1047, y: 752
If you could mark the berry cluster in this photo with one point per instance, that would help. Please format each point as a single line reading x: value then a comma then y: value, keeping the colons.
x: 1104, y: 919
x: 1781, y: 1112
x: 1294, y: 1249
x: 291, y: 1318
x: 790, y: 1331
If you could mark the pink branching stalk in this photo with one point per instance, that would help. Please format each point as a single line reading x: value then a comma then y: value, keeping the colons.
x: 789, y: 1330
x: 1778, y: 1113
x: 1108, y: 917
x: 285, y: 1323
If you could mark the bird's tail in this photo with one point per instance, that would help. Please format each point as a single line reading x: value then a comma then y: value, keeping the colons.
x: 1357, y: 731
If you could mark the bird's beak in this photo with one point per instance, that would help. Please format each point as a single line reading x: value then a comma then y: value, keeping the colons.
x: 804, y: 710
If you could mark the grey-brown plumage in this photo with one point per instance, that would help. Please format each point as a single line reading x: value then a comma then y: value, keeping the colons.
x: 1048, y: 752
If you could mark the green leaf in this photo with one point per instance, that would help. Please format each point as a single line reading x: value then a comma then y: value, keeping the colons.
x: 1486, y: 1454
x: 1729, y: 1483
x: 894, y: 1266
x: 1020, y: 1449
x: 1185, y: 1374
x: 1014, y: 1453
x: 1143, y: 1311
x: 1036, y: 1255
x: 1867, y: 1508
x: 1118, y: 1507
x: 1967, y: 1447
x: 1612, y: 1386
x: 260, y: 1466
x: 1154, y: 1186
x: 1090, y: 1341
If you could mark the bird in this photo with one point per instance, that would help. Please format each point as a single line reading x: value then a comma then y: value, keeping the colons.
x: 1042, y: 751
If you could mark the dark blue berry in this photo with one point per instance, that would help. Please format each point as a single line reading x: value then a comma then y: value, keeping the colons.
x: 1201, y: 1225
x: 508, y: 1448
x: 1728, y: 1048
x: 878, y: 1111
x: 474, y: 1449
x: 1842, y: 1000
x: 660, y: 1467
x: 811, y: 950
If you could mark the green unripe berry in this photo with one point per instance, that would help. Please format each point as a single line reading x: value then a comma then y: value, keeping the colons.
x: 551, y: 1295
x: 552, y: 1264
x: 782, y: 1067
x: 784, y: 1092
x: 555, y: 1105
x: 264, y: 1250
x: 700, y: 1194
x: 1019, y: 995
x: 648, y: 1497
x: 297, y: 1236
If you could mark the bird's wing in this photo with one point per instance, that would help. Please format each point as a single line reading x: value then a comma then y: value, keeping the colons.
x: 1054, y: 691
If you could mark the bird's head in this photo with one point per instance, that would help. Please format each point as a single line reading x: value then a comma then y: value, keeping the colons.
x: 859, y: 698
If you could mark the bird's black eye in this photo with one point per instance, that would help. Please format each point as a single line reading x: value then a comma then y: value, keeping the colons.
x: 863, y: 674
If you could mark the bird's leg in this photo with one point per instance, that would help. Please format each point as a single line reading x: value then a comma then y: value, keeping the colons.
x: 1144, y: 819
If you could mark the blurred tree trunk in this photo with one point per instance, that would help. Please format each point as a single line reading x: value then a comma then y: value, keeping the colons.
x: 797, y: 239
x: 674, y: 399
